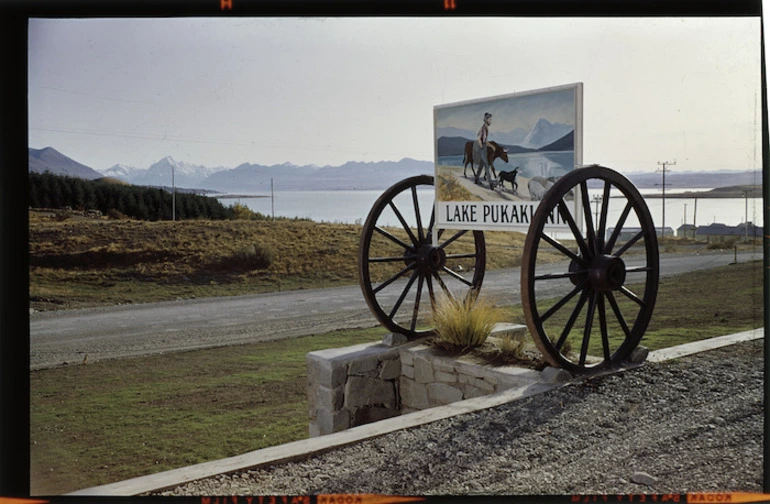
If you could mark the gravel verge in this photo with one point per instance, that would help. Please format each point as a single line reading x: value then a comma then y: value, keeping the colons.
x: 693, y: 424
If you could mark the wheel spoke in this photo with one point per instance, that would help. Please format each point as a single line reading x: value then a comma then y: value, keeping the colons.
x: 629, y: 244
x: 431, y: 294
x: 571, y: 321
x: 618, y: 314
x: 469, y: 255
x: 393, y: 238
x: 453, y: 238
x: 562, y: 302
x: 459, y: 277
x: 555, y: 276
x: 618, y: 227
x: 639, y: 269
x: 603, y: 326
x: 392, y: 259
x: 587, y: 328
x: 403, y: 223
x: 566, y: 216
x: 429, y: 232
x: 590, y: 232
x: 633, y: 297
x: 417, y: 213
x: 394, y: 278
x: 403, y: 294
x: 417, y: 303
x: 602, y: 231
x: 564, y: 250
x: 442, y: 284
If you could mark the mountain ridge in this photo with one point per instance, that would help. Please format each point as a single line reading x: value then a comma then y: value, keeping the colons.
x: 375, y: 175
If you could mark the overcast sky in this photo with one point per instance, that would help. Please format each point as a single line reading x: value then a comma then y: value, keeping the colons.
x: 224, y: 91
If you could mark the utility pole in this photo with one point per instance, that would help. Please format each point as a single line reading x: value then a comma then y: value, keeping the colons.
x: 597, y: 200
x: 664, y: 164
x: 694, y: 212
x: 746, y: 216
x: 684, y: 221
x: 173, y: 195
x: 272, y: 199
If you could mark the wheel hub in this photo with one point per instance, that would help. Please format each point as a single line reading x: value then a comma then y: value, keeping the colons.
x: 431, y: 258
x: 607, y: 273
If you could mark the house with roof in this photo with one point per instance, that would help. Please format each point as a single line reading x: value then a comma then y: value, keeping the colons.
x: 718, y: 232
x: 686, y: 231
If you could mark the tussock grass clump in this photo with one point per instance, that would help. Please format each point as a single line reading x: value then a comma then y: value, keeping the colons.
x: 462, y: 325
x: 252, y: 257
x: 509, y: 350
x: 510, y: 347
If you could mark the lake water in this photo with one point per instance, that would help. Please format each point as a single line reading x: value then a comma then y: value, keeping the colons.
x: 353, y: 206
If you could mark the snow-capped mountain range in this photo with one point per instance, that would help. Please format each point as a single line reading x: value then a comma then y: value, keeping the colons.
x: 254, y: 178
x: 160, y: 172
x: 245, y: 178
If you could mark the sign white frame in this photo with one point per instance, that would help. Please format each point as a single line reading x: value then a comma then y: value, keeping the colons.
x: 553, y: 109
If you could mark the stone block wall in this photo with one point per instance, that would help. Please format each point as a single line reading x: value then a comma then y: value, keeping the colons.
x: 369, y: 382
x: 352, y: 386
x: 429, y: 380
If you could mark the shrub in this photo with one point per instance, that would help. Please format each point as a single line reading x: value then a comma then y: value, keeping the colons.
x: 116, y: 214
x: 64, y: 214
x: 510, y: 347
x: 463, y: 325
x: 723, y: 244
x: 252, y: 257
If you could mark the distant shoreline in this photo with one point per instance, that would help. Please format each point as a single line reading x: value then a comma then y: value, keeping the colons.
x: 741, y: 191
x: 232, y: 196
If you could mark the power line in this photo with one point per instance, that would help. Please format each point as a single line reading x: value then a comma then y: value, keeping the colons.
x: 160, y: 138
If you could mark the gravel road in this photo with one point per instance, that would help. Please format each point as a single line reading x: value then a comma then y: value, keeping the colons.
x: 687, y: 425
x: 66, y: 336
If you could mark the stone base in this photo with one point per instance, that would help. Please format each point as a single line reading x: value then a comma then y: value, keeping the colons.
x: 373, y: 381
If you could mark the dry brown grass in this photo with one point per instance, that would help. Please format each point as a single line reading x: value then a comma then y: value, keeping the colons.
x: 463, y: 324
x: 449, y: 189
x: 81, y: 262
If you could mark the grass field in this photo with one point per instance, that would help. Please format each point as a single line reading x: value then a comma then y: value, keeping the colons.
x: 78, y: 263
x: 108, y: 421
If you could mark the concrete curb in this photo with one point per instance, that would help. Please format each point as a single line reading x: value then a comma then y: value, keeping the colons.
x: 312, y: 446
x: 705, y: 345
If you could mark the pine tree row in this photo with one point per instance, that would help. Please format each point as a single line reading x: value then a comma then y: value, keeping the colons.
x: 47, y: 190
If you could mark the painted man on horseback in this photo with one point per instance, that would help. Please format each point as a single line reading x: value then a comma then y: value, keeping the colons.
x: 480, y: 150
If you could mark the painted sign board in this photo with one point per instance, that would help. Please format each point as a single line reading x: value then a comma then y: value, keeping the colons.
x: 531, y: 139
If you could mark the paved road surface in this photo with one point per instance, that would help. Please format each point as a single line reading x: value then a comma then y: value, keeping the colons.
x: 133, y: 330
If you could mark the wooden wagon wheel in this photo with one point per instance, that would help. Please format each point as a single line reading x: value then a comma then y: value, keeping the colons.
x: 398, y: 263
x: 609, y: 274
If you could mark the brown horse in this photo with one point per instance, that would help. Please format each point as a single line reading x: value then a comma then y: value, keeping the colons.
x: 494, y: 151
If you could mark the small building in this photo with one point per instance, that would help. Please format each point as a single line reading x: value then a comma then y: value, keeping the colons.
x: 686, y: 231
x: 718, y: 232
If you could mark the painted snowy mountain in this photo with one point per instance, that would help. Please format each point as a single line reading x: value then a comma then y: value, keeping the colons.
x: 513, y: 137
x: 544, y: 133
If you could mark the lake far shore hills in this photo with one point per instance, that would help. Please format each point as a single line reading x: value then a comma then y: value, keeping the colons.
x: 252, y: 180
